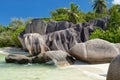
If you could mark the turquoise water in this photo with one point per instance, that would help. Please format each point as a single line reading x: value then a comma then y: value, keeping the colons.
x: 38, y: 72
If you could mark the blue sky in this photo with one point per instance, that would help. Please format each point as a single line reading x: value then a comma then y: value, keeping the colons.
x: 36, y: 8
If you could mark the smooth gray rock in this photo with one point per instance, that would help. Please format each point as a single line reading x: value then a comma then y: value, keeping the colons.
x: 34, y: 43
x: 114, y: 69
x: 94, y: 51
x: 18, y: 58
x: 118, y: 46
x: 54, y: 57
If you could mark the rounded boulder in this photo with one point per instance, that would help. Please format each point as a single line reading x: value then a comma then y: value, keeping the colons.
x: 95, y: 51
x: 114, y: 69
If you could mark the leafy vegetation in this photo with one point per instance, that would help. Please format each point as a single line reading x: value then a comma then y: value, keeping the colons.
x: 15, y: 36
x: 6, y: 39
x: 72, y: 14
x: 9, y: 34
x: 114, y: 17
x: 110, y: 35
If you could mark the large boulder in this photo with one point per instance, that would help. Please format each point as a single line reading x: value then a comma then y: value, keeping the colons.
x: 36, y: 26
x: 94, y: 51
x: 54, y: 57
x: 17, y: 58
x: 114, y: 69
x: 34, y: 43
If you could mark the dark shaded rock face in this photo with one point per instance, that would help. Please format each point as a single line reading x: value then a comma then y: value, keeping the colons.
x: 100, y: 23
x: 36, y: 26
x: 95, y: 51
x: 56, y: 26
x: 114, y: 69
x: 62, y: 35
x: 62, y: 40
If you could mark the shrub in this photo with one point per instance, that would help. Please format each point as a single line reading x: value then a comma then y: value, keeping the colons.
x: 111, y: 35
x: 15, y: 36
x: 6, y: 39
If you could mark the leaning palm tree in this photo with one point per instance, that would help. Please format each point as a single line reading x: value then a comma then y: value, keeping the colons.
x: 99, y: 6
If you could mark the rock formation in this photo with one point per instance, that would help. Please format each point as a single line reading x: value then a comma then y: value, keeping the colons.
x: 95, y: 51
x: 114, y: 69
x: 118, y: 46
x: 34, y: 43
x: 54, y: 57
x: 17, y: 58
x: 40, y: 36
x: 62, y: 35
x: 59, y: 58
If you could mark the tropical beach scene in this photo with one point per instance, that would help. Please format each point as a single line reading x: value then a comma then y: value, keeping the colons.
x: 60, y: 40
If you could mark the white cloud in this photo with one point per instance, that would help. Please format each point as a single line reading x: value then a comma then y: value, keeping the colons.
x: 116, y: 1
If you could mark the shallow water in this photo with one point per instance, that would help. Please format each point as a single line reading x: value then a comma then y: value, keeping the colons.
x: 39, y: 72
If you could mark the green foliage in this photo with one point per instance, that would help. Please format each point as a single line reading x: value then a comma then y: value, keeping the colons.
x: 97, y: 34
x: 15, y: 36
x: 82, y: 17
x: 71, y: 14
x: 110, y: 35
x: 114, y: 21
x: 92, y: 15
x: 3, y: 28
x: 60, y: 17
x: 6, y: 39
x: 59, y: 14
x: 46, y: 19
x: 9, y: 34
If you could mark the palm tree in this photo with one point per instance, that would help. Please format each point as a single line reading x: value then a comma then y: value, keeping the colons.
x: 99, y: 6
